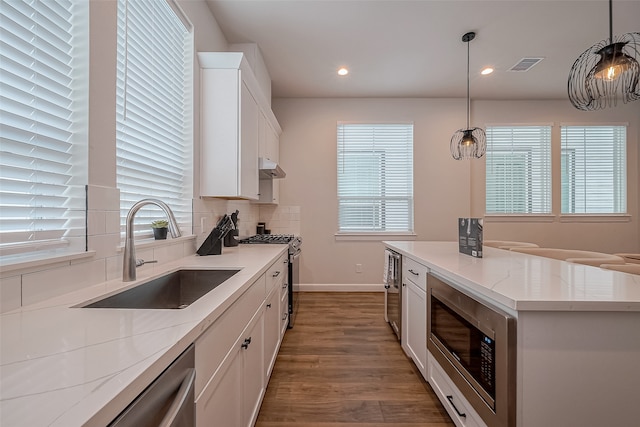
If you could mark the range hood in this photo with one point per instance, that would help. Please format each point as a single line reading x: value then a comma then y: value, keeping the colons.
x: 269, y: 169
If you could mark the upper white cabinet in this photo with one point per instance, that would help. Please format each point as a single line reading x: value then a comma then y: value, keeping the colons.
x: 233, y: 112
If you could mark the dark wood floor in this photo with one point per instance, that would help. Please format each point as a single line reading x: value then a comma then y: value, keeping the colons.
x: 341, y: 366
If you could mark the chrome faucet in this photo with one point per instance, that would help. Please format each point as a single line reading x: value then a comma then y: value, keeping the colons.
x: 129, y: 263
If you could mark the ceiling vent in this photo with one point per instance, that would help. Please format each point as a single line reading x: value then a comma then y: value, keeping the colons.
x: 525, y: 64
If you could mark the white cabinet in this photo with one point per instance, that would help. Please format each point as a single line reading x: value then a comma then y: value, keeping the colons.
x: 233, y: 395
x: 460, y: 410
x: 414, y: 312
x: 276, y: 279
x: 235, y: 355
x: 230, y: 129
x: 269, y: 148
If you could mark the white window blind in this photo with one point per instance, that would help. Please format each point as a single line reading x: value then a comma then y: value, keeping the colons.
x: 594, y: 169
x: 518, y: 169
x: 375, y: 177
x: 43, y: 105
x: 154, y: 111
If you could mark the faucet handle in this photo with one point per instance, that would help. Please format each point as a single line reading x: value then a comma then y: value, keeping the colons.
x: 141, y: 262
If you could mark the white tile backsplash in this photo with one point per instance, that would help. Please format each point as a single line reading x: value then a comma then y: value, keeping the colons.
x: 281, y: 219
x: 49, y: 283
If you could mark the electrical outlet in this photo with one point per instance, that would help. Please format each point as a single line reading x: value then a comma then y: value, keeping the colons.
x: 358, y: 268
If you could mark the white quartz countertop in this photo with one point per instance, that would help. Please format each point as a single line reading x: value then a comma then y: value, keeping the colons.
x: 66, y: 366
x: 522, y: 282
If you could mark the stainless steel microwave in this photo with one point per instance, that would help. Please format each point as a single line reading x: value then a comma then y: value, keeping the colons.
x: 476, y: 346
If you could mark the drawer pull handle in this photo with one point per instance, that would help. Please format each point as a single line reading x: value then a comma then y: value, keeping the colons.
x: 285, y: 285
x: 413, y: 272
x: 285, y: 316
x: 276, y: 274
x: 269, y: 305
x: 460, y: 414
x: 246, y: 343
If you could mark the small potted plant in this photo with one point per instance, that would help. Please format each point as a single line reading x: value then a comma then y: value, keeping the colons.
x: 160, y: 229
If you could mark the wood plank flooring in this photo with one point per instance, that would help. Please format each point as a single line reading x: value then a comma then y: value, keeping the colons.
x: 341, y: 366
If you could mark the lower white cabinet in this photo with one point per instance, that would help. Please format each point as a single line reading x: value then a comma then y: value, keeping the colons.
x: 235, y: 355
x: 460, y: 410
x: 234, y: 393
x: 414, y: 313
x: 271, y: 330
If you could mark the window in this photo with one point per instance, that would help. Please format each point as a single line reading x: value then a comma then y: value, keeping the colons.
x: 43, y: 106
x: 154, y: 108
x: 518, y: 170
x: 375, y: 177
x: 594, y: 169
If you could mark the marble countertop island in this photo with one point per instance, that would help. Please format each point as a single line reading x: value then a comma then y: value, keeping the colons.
x: 66, y: 366
x: 520, y: 282
x: 577, y: 339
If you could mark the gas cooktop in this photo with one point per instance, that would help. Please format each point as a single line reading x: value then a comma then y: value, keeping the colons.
x: 270, y: 238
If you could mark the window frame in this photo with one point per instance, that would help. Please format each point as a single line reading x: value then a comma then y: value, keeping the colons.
x: 362, y: 232
x: 619, y: 156
x: 180, y: 200
x: 543, y: 169
x: 52, y: 105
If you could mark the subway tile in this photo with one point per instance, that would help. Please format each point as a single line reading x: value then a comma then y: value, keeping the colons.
x: 50, y: 283
x: 96, y: 222
x: 103, y: 198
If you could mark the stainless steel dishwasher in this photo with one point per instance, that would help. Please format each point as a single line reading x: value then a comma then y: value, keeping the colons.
x: 169, y: 401
x: 393, y: 290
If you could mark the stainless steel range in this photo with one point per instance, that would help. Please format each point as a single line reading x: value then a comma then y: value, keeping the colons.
x: 295, y: 243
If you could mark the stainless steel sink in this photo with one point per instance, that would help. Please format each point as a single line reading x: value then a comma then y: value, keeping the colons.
x: 172, y: 291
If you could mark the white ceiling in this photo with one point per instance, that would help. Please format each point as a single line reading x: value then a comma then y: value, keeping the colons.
x: 397, y: 48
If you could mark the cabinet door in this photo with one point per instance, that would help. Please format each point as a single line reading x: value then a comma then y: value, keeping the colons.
x: 271, y: 330
x: 221, y: 401
x: 249, y: 132
x: 253, y: 370
x: 415, y: 327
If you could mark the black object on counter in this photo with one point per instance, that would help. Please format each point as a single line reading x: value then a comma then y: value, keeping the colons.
x: 212, y: 245
x: 231, y: 238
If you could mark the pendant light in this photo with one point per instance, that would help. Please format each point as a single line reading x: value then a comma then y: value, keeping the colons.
x: 469, y: 143
x: 606, y: 71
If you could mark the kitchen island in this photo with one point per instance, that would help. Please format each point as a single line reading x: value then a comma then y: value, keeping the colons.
x: 578, y: 330
x: 62, y: 365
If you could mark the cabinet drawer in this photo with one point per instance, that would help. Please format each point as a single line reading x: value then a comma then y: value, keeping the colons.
x: 214, y: 344
x: 416, y: 272
x: 277, y: 273
x: 461, y: 411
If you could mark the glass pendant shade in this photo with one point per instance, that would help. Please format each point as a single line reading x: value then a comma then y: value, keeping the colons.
x: 605, y: 72
x: 469, y: 143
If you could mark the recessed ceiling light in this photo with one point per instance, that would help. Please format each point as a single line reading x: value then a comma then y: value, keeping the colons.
x: 343, y: 71
x: 487, y: 70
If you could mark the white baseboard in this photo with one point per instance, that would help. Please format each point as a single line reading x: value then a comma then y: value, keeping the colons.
x: 341, y: 287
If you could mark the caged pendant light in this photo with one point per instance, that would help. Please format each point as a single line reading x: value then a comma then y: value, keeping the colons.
x: 606, y: 71
x: 469, y: 143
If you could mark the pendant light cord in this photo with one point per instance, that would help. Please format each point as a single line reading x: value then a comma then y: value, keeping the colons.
x: 468, y: 97
x: 611, y: 21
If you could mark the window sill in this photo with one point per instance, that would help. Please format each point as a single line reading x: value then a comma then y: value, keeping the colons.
x: 595, y: 218
x: 152, y: 243
x: 27, y: 261
x: 373, y: 236
x: 519, y: 218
